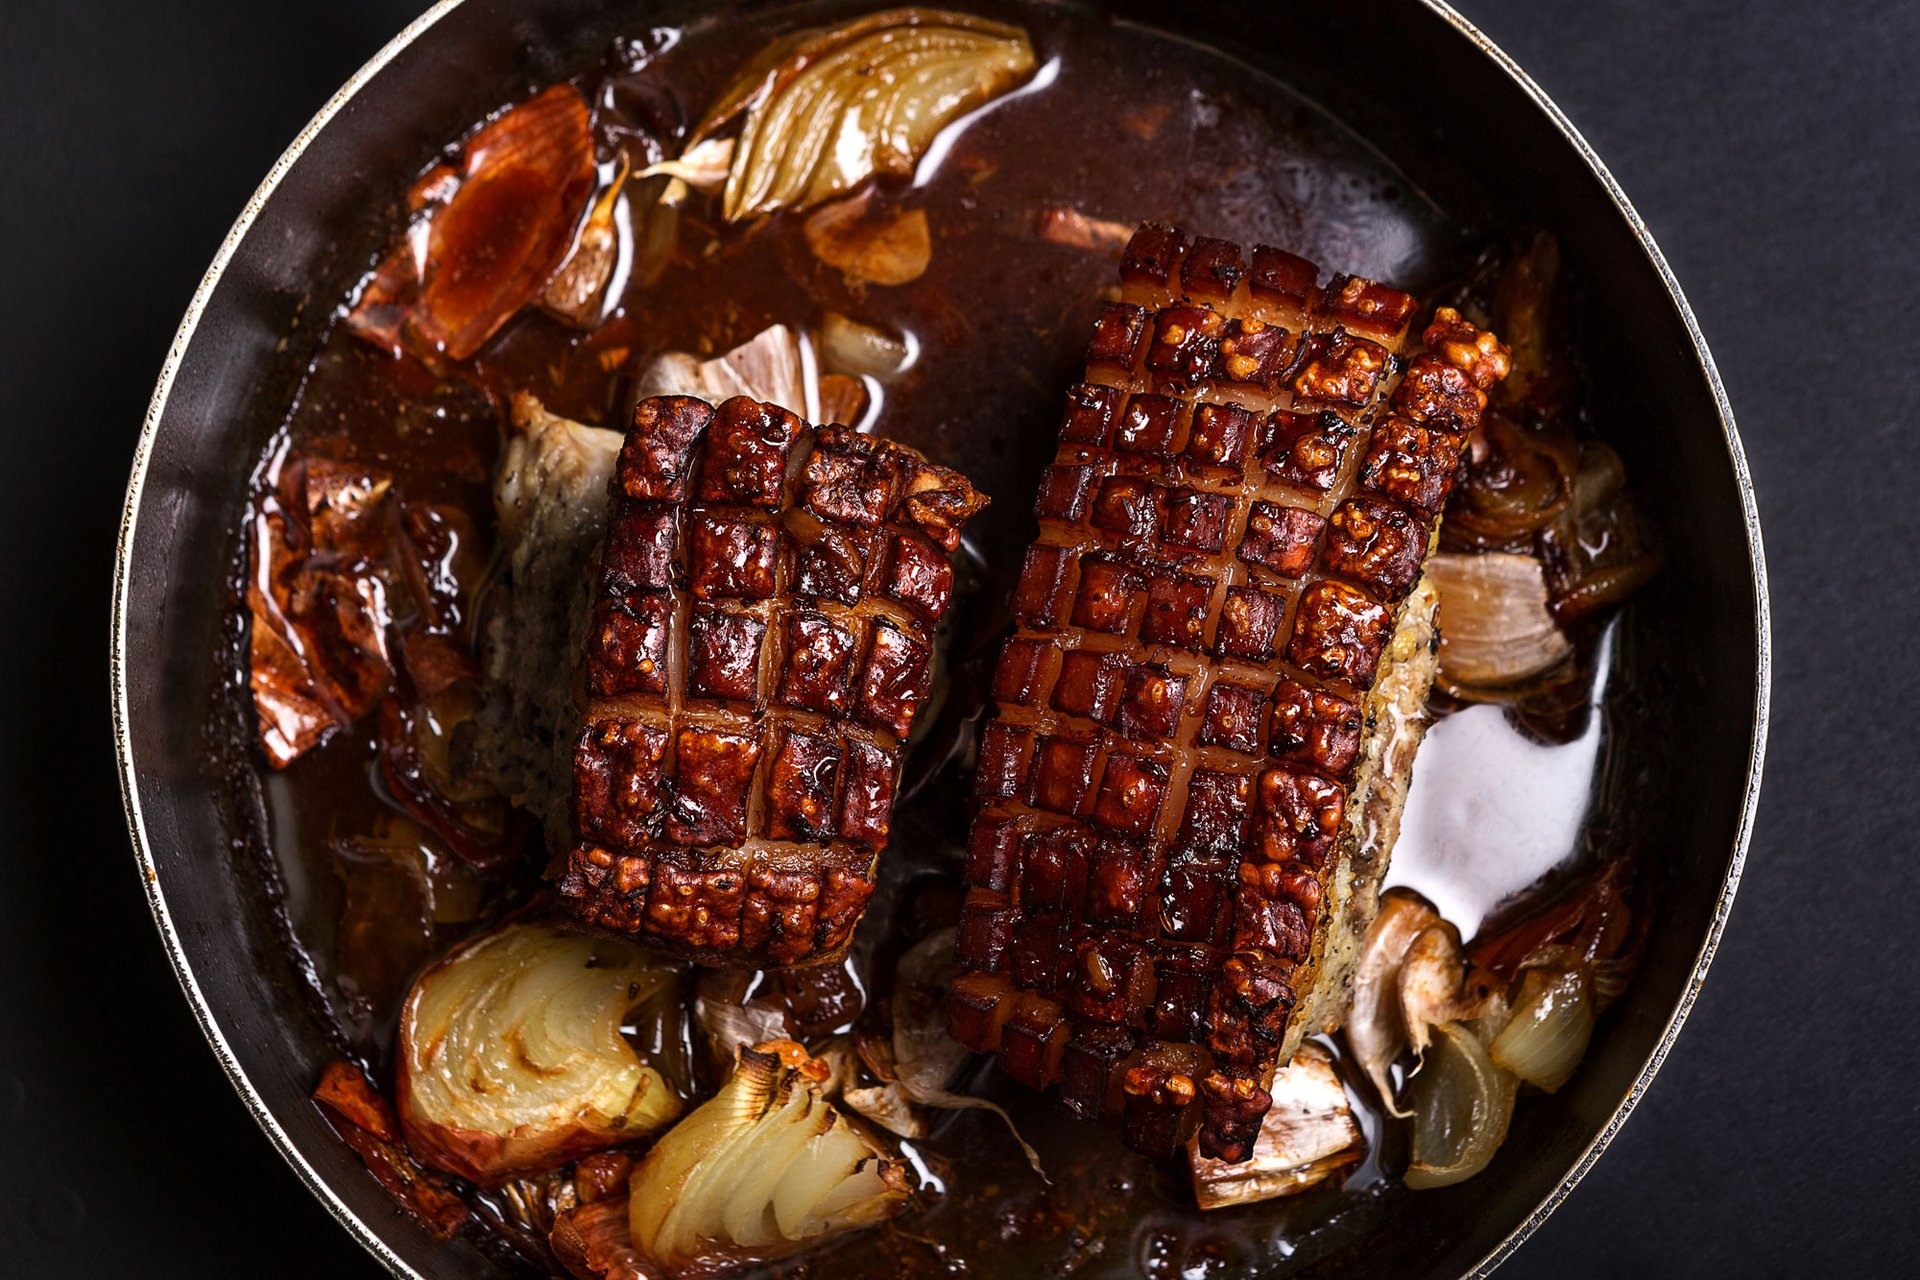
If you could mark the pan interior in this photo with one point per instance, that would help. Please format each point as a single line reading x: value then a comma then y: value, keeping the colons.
x: 1438, y: 109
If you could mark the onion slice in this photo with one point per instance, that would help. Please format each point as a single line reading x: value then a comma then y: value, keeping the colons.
x: 511, y: 1056
x: 1495, y: 627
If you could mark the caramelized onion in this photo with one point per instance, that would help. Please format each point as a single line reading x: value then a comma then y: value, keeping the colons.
x: 593, y: 1242
x: 511, y: 1056
x: 1462, y: 1104
x: 319, y: 655
x: 1495, y: 628
x: 828, y: 108
x: 493, y: 232
x: 1599, y: 551
x: 1517, y: 478
x: 1527, y: 315
x: 364, y: 1122
x: 759, y: 1170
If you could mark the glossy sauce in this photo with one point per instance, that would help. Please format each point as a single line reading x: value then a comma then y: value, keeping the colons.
x: 1493, y: 809
x: 1122, y: 124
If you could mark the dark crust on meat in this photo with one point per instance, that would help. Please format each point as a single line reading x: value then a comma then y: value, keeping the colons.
x: 1244, y: 492
x: 762, y: 642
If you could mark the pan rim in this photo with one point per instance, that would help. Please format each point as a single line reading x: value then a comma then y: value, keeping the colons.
x: 203, y: 1012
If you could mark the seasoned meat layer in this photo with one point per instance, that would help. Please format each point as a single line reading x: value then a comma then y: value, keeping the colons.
x: 760, y: 643
x: 1245, y: 490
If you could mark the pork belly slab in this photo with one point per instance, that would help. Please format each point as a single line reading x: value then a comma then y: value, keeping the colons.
x: 1198, y: 750
x: 760, y: 644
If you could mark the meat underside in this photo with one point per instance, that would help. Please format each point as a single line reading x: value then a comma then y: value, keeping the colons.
x: 1207, y: 711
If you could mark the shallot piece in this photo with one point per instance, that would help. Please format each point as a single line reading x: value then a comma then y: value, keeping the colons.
x: 1462, y: 1104
x: 1058, y: 224
x: 361, y: 1117
x: 487, y: 235
x: 319, y: 656
x: 594, y: 1242
x: 869, y: 244
x: 1376, y: 1030
x: 1412, y: 976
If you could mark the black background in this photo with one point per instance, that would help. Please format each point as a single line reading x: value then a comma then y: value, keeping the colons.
x: 1773, y: 149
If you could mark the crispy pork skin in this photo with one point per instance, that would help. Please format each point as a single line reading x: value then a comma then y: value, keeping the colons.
x: 760, y: 643
x: 1199, y: 743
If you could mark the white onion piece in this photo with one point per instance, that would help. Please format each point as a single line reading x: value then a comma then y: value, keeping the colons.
x: 852, y: 347
x: 1462, y: 1104
x: 888, y: 1106
x: 762, y: 1168
x: 1495, y: 630
x: 704, y: 167
x: 511, y: 1056
x: 1307, y: 1136
x: 1551, y: 1025
x: 768, y: 366
x: 731, y: 1027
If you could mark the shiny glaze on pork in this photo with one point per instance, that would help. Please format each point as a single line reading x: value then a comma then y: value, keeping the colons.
x: 1245, y: 489
x: 761, y: 644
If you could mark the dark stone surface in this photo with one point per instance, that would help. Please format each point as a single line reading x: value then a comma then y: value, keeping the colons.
x: 1770, y: 146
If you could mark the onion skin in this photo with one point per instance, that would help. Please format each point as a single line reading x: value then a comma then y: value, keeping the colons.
x: 511, y: 1059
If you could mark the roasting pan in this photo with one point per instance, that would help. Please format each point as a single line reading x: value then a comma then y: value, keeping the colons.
x: 1415, y: 80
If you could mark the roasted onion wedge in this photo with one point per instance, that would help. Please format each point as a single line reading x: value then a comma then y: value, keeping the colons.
x: 827, y: 109
x: 511, y: 1056
x: 762, y: 1168
x: 1308, y: 1136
